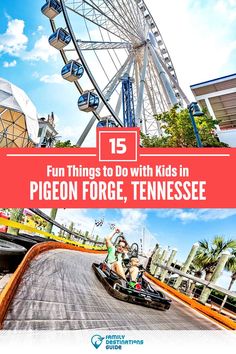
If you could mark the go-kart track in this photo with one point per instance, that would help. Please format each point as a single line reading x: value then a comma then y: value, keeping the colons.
x: 60, y: 291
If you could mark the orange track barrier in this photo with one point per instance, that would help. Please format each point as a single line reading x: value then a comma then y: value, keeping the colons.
x: 7, y: 294
x: 227, y: 322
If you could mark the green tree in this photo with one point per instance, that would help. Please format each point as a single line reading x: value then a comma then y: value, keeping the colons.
x: 64, y: 144
x: 208, y: 254
x: 16, y: 215
x: 231, y: 267
x: 178, y: 131
x: 39, y: 222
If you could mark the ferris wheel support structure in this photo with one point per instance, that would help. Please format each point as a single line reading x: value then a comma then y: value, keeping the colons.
x: 126, y: 29
x: 141, y: 87
x: 108, y: 91
x: 168, y: 90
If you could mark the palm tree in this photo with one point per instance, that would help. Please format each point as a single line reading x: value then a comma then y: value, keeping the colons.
x: 231, y: 267
x: 208, y: 254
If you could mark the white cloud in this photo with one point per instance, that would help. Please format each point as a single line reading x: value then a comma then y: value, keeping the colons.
x: 132, y: 220
x: 40, y: 28
x: 11, y: 64
x: 187, y: 215
x: 13, y: 41
x: 36, y: 75
x: 226, y: 8
x: 79, y: 217
x: 52, y: 79
x: 69, y: 132
x: 41, y: 51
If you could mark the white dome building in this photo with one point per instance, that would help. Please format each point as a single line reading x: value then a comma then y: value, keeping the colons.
x: 18, y: 117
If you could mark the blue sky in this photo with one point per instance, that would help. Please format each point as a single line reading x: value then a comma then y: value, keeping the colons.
x: 176, y: 228
x: 200, y: 35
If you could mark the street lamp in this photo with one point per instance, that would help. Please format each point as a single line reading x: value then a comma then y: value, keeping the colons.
x: 195, y: 111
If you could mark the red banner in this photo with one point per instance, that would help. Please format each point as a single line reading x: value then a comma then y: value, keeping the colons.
x: 118, y: 173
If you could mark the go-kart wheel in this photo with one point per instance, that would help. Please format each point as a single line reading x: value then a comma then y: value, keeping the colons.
x: 160, y: 294
x: 116, y: 286
x: 119, y: 282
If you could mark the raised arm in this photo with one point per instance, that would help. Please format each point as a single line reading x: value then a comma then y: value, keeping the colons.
x: 110, y: 236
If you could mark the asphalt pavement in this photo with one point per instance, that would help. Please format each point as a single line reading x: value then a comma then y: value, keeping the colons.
x: 59, y: 291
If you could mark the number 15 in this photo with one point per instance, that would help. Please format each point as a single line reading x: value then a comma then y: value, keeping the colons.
x: 118, y: 146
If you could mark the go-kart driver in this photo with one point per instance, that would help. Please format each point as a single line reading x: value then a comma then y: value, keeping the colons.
x: 115, y: 253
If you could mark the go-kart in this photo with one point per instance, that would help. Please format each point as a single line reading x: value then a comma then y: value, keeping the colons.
x: 142, y: 293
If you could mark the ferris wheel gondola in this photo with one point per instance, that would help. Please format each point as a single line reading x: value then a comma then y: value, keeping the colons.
x: 59, y: 39
x: 72, y: 71
x: 88, y: 102
x: 51, y: 9
x: 107, y: 122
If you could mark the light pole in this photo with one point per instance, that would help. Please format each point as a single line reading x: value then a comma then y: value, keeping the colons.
x: 97, y: 223
x: 195, y: 111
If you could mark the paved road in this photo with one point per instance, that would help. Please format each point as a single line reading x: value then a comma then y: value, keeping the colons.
x: 60, y: 291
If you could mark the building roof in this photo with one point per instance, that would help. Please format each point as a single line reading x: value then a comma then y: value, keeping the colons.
x: 12, y: 98
x: 220, y: 94
x: 214, y: 81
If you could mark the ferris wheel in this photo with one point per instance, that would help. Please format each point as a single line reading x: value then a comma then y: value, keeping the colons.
x: 115, y: 55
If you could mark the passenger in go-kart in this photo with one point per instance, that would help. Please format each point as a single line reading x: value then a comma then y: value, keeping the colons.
x: 134, y: 271
x: 116, y: 253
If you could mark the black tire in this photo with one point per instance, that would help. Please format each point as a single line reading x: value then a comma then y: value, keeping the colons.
x: 120, y: 282
x: 10, y: 248
x: 18, y: 239
x: 11, y: 255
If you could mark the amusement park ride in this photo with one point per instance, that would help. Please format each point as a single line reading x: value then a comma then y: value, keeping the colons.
x: 145, y: 82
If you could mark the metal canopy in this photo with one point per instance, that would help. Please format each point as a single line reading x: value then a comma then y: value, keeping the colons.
x: 219, y: 97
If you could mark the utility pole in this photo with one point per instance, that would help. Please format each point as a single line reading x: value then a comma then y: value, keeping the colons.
x: 187, y: 264
x: 161, y: 261
x: 53, y: 215
x: 217, y: 272
x: 155, y: 259
x: 168, y: 264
